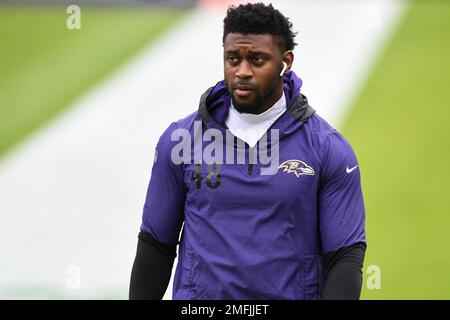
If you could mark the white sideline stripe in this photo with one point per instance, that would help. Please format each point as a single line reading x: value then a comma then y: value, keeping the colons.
x: 72, y: 194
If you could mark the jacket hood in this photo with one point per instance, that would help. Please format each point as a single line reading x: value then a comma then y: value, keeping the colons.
x: 215, y: 103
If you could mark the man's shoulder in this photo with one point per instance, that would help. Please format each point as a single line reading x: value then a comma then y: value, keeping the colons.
x: 186, y: 123
x: 316, y: 130
x: 325, y: 137
x: 319, y: 126
x: 176, y: 130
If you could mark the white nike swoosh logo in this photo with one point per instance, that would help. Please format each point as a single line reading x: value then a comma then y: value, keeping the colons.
x: 351, y: 169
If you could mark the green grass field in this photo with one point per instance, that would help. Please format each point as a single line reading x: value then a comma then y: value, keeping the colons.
x: 44, y: 66
x: 399, y: 127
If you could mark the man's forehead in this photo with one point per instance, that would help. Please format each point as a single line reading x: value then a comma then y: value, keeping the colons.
x: 236, y: 41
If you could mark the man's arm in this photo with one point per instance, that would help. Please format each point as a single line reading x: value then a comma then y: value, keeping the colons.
x: 344, y: 279
x: 342, y: 219
x: 152, y: 268
x: 162, y: 219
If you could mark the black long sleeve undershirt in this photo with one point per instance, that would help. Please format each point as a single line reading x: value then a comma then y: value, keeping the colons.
x: 153, y: 264
x: 152, y: 268
x: 344, y: 279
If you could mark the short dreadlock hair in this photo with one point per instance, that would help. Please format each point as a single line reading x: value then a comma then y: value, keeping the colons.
x: 258, y: 18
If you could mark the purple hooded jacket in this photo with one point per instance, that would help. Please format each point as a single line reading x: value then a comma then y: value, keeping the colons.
x: 248, y: 235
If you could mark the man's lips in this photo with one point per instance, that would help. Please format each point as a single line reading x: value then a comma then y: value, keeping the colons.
x: 243, y: 90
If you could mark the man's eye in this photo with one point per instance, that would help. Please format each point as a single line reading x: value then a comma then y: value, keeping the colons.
x: 258, y: 59
x: 232, y: 59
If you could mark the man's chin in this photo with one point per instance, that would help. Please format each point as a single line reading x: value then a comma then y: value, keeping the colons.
x: 246, y: 106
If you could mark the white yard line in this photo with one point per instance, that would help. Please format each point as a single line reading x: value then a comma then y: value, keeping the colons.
x: 71, y: 196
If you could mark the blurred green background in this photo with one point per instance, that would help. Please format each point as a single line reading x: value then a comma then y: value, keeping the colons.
x: 399, y: 127
x: 399, y: 124
x: 45, y: 67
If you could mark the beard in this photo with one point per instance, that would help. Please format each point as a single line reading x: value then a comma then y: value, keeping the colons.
x: 250, y: 107
x: 259, y: 102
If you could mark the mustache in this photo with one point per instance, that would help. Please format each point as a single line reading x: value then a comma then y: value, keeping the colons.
x: 243, y: 85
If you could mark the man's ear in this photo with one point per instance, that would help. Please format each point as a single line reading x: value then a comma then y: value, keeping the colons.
x: 288, y: 58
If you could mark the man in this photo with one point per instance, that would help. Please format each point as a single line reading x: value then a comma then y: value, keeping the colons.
x: 251, y: 231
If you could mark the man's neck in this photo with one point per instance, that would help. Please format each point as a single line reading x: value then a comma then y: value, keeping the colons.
x: 271, y: 102
x: 274, y: 111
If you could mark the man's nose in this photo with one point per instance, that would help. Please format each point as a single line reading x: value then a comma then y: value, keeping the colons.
x: 244, y: 70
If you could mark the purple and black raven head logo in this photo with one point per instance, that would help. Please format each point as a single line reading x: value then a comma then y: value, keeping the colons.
x: 298, y: 167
